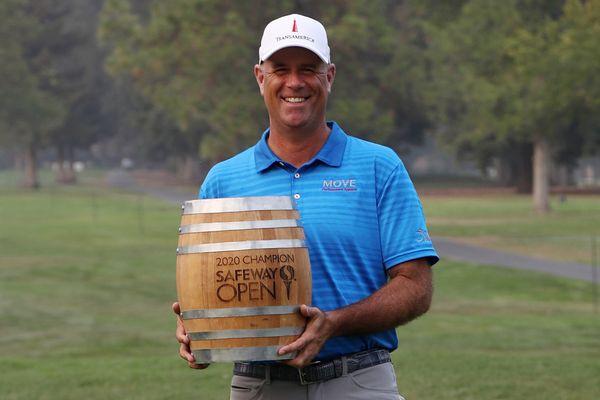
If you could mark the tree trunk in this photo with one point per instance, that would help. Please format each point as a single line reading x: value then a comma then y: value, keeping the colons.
x: 60, y: 161
x: 71, y: 177
x: 31, y: 173
x: 188, y: 169
x: 541, y: 175
x: 65, y: 173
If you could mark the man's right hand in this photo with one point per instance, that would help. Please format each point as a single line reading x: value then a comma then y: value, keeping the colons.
x: 184, y: 341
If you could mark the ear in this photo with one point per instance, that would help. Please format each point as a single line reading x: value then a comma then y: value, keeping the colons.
x: 330, y: 76
x: 260, y: 78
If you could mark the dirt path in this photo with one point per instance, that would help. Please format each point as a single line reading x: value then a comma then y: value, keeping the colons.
x: 446, y: 247
x: 454, y: 250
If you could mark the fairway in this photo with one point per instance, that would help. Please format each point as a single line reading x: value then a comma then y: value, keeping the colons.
x: 507, y: 222
x: 87, y: 278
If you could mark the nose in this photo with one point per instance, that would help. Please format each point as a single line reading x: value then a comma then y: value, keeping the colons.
x: 295, y: 80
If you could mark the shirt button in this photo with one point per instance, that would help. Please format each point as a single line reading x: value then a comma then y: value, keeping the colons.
x: 296, y: 175
x: 296, y: 196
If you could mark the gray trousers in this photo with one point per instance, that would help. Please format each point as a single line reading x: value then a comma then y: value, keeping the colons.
x: 373, y: 383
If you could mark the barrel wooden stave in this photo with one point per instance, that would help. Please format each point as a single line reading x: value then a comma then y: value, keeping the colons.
x: 241, y: 342
x: 251, y: 322
x: 188, y: 219
x: 197, y: 282
x: 240, y: 235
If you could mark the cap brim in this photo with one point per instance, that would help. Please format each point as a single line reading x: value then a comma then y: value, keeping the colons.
x: 293, y: 43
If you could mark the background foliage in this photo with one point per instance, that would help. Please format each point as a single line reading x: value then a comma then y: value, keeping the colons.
x: 490, y: 80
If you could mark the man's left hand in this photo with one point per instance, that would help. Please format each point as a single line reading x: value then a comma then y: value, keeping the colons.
x: 319, y: 328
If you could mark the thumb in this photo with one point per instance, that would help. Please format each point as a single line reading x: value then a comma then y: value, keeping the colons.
x: 308, y: 311
x: 176, y: 308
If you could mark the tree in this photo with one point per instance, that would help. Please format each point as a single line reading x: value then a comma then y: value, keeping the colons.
x: 380, y: 61
x: 66, y: 46
x: 27, y: 113
x: 193, y: 59
x: 54, y: 68
x: 504, y: 77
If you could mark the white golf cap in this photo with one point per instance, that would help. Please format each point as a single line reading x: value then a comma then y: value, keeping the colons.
x: 294, y: 30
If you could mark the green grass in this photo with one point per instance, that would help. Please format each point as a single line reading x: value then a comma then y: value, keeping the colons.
x: 13, y: 179
x: 87, y: 278
x: 498, y: 333
x: 509, y: 223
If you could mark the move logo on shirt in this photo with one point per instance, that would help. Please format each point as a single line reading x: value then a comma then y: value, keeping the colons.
x: 339, y: 185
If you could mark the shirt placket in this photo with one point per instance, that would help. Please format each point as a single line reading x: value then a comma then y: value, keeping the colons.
x: 295, y: 184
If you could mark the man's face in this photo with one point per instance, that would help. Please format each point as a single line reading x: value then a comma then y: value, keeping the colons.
x: 295, y: 84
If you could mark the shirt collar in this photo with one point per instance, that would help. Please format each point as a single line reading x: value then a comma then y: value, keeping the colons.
x: 331, y: 153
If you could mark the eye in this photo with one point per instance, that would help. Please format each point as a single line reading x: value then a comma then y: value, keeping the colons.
x: 280, y: 71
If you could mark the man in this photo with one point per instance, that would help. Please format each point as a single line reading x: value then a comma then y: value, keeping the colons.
x: 369, y: 248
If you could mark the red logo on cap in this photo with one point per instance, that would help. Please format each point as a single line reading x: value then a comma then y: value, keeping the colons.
x: 295, y: 27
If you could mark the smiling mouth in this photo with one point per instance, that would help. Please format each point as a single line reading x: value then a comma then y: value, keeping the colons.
x: 295, y: 99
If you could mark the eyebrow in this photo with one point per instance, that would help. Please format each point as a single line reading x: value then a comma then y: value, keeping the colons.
x: 280, y: 64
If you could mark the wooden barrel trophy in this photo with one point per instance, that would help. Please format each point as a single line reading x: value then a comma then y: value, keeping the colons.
x: 242, y: 272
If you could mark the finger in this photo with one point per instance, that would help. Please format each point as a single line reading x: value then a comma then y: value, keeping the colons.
x: 295, y: 363
x: 176, y: 308
x: 309, y: 333
x: 296, y: 345
x: 184, y: 348
x: 313, y: 315
x: 185, y: 353
x: 308, y: 311
x: 308, y: 354
x: 181, y: 334
x: 304, y: 357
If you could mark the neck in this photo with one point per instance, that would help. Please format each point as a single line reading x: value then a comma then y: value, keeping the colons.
x: 297, y: 146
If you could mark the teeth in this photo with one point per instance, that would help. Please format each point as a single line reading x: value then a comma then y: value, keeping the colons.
x: 295, y: 99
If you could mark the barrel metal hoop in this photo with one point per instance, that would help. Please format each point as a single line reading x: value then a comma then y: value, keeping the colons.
x: 236, y: 204
x: 239, y: 225
x: 239, y: 312
x: 246, y: 245
x: 240, y: 354
x: 246, y: 333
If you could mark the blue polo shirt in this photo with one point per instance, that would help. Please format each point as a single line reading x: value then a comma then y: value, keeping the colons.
x: 360, y: 213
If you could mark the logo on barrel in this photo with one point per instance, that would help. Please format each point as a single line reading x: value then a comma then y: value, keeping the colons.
x: 254, y: 278
x: 286, y: 273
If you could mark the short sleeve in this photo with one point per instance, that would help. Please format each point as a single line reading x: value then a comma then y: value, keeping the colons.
x: 210, y: 187
x: 402, y: 228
